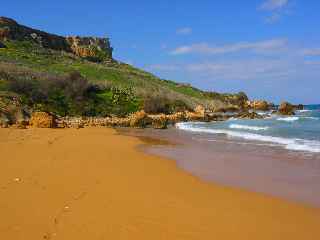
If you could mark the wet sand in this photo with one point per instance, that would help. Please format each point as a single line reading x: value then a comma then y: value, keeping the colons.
x: 94, y: 184
x: 253, y: 166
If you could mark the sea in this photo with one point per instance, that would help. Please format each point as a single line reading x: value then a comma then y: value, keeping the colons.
x: 300, y: 132
x: 277, y: 156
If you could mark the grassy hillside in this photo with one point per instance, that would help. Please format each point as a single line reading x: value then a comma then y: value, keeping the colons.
x: 119, y: 88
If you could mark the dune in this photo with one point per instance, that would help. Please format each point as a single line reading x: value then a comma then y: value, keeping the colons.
x: 93, y: 183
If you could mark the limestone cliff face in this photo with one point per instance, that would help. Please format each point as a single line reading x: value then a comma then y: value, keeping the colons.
x: 92, y: 48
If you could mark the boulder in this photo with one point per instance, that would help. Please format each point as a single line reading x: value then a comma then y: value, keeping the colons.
x: 200, y: 110
x: 176, y: 117
x: 43, y: 120
x: 249, y: 115
x: 139, y: 119
x: 192, y: 116
x: 120, y: 122
x: 160, y: 122
x: 286, y: 108
x: 260, y: 105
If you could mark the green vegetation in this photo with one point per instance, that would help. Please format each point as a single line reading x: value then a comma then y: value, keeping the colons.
x: 62, y: 83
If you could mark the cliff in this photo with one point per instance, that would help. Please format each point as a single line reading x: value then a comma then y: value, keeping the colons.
x: 92, y: 48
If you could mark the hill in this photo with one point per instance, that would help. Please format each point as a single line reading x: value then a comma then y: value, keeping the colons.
x: 79, y: 76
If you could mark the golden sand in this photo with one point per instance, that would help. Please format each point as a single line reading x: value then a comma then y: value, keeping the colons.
x: 94, y: 184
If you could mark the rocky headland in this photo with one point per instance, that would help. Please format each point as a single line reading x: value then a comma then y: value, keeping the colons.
x: 50, y: 81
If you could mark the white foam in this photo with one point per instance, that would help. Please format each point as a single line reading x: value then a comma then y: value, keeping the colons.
x: 312, y: 118
x: 288, y: 143
x: 302, y: 111
x: 246, y: 127
x: 288, y: 119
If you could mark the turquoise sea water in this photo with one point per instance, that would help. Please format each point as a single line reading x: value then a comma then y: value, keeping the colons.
x: 300, y: 132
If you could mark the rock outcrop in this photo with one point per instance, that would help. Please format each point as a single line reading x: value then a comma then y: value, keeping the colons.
x: 43, y: 120
x: 96, y: 49
x: 260, y: 105
x: 200, y: 110
x: 249, y: 115
x: 286, y: 108
x: 176, y: 117
x: 90, y: 47
x: 160, y: 122
x: 139, y: 119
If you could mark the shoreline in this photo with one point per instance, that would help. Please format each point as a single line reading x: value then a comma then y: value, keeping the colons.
x: 249, y: 165
x: 93, y: 183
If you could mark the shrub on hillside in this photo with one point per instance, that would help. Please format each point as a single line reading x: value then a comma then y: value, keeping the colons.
x: 162, y: 104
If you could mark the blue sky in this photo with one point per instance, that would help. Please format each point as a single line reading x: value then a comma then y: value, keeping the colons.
x: 268, y: 48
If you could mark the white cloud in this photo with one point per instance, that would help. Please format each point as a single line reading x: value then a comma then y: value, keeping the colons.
x: 244, y: 69
x: 311, y: 52
x: 276, y: 8
x: 272, y: 5
x: 184, y: 31
x: 204, y: 48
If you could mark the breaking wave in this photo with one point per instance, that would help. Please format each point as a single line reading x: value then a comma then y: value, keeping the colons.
x: 246, y: 127
x: 288, y: 143
x: 288, y: 119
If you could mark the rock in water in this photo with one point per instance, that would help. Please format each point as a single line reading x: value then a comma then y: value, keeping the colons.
x: 249, y: 115
x: 286, y: 108
x: 43, y: 120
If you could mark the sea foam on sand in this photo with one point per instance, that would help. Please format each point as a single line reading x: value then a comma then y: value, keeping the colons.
x: 295, y: 144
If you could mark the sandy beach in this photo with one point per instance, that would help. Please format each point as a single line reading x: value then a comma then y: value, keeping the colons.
x: 93, y: 183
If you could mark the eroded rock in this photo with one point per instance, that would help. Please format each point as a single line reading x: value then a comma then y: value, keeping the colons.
x: 286, y: 108
x: 43, y: 120
x: 139, y: 119
x: 160, y: 122
x: 249, y: 115
x: 260, y: 105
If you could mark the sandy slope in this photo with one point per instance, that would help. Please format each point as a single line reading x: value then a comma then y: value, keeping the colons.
x: 93, y: 184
